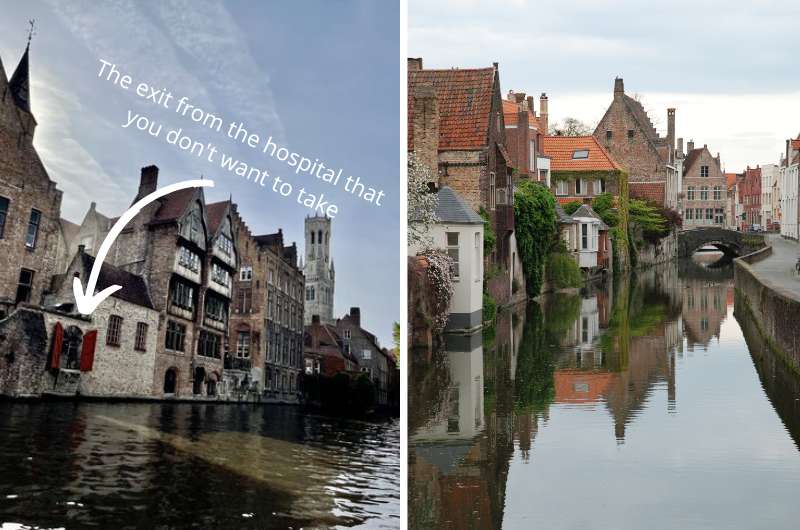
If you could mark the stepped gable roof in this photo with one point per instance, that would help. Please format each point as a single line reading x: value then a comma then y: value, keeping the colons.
x: 586, y: 211
x: 134, y: 289
x: 646, y: 124
x: 451, y: 208
x: 561, y: 150
x: 649, y: 191
x: 216, y: 212
x: 464, y: 99
x: 270, y: 239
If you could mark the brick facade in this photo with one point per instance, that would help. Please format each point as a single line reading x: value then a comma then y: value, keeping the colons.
x: 372, y: 359
x: 704, y: 189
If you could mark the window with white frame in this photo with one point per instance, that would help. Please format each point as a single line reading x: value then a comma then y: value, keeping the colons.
x: 246, y: 274
x: 562, y: 187
x: 452, y: 251
x: 476, y: 266
x: 704, y: 171
x: 579, y: 187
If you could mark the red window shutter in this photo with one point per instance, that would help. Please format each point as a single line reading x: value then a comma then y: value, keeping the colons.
x: 58, y: 342
x: 87, y: 351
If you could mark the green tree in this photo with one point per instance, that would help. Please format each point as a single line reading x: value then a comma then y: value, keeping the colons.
x: 535, y: 222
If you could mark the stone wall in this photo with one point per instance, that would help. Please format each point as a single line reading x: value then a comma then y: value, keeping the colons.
x: 663, y: 250
x: 774, y: 311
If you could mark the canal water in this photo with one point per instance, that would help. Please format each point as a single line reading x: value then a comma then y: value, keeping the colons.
x: 149, y: 466
x: 644, y: 403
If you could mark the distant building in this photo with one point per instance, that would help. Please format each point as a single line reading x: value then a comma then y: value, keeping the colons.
x: 325, y: 352
x: 769, y: 174
x: 751, y: 198
x: 524, y: 133
x: 705, y: 188
x: 31, y: 238
x: 730, y: 201
x: 789, y: 175
x: 372, y: 359
x: 318, y: 269
x: 586, y: 238
x: 627, y: 132
x: 580, y: 168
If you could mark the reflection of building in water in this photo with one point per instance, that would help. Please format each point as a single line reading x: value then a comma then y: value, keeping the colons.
x: 586, y: 328
x: 704, y: 309
x: 461, y: 416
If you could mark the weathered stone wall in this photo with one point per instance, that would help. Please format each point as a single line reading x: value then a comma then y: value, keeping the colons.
x: 663, y: 250
x: 775, y: 311
x: 24, y: 352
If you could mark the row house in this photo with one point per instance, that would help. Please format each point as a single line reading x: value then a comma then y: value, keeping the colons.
x: 704, y: 188
x: 456, y: 127
x: 789, y: 179
x: 524, y: 133
x: 769, y: 175
x: 373, y: 360
x: 586, y: 237
x: 580, y: 168
x: 187, y: 260
x: 325, y: 353
x: 266, y: 331
x: 628, y: 134
x: 731, y: 209
x: 751, y: 198
x: 31, y: 242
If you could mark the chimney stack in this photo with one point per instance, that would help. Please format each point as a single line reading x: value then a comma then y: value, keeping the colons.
x: 414, y: 64
x: 529, y: 99
x: 680, y: 147
x: 425, y: 129
x: 543, y: 112
x: 689, y: 146
x: 355, y: 316
x: 148, y: 181
x: 671, y: 134
x: 619, y: 87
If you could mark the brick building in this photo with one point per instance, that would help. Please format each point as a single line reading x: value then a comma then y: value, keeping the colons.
x: 31, y: 240
x: 266, y: 331
x: 627, y: 132
x: 372, y: 359
x: 580, y: 168
x: 456, y: 127
x: 524, y: 133
x: 751, y: 198
x: 705, y: 188
x: 324, y: 351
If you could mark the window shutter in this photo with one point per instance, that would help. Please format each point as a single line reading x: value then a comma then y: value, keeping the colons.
x: 87, y: 351
x: 58, y: 342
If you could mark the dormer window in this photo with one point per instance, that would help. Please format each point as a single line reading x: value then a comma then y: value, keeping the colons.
x: 580, y: 154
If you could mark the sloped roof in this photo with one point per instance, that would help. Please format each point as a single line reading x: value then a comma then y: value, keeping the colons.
x: 451, y: 208
x: 70, y: 229
x: 561, y: 148
x: 562, y: 216
x: 134, y: 290
x: 173, y: 205
x: 641, y: 116
x: 19, y: 84
x: 586, y: 211
x: 796, y: 144
x: 270, y: 239
x: 730, y: 179
x: 511, y: 114
x: 691, y: 158
x: 649, y: 191
x: 464, y: 99
x: 216, y: 212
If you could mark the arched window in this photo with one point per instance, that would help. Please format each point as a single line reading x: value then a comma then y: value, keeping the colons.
x: 170, y: 381
x: 312, y: 237
x: 319, y: 236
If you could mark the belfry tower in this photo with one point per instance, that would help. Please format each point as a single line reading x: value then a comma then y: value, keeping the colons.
x: 318, y: 269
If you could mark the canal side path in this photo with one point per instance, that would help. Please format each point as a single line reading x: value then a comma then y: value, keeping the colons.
x: 779, y: 267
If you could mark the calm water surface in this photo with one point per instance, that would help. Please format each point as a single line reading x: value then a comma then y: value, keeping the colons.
x: 643, y: 404
x: 94, y: 465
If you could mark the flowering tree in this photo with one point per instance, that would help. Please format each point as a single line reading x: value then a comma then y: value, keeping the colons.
x: 440, y: 277
x: 421, y: 203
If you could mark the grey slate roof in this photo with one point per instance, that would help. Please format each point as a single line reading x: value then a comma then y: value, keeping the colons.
x: 562, y: 216
x: 451, y: 208
x: 586, y: 211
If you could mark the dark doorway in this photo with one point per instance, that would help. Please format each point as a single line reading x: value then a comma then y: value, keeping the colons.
x: 199, y: 379
x: 170, y: 381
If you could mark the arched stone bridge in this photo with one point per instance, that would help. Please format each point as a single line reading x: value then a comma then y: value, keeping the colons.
x: 730, y: 242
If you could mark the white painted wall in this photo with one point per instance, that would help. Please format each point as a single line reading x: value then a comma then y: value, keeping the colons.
x: 789, y: 195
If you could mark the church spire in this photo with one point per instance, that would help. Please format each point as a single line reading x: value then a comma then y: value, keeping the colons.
x: 19, y: 84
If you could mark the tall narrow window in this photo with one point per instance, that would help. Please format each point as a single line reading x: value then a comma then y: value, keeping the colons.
x: 140, y: 344
x: 690, y: 193
x: 114, y: 330
x: 704, y: 193
x: 176, y: 336
x: 532, y: 156
x: 452, y: 251
x: 476, y: 267
x: 3, y: 214
x: 25, y: 285
x: 584, y: 236
x: 33, y: 229
x: 578, y: 187
x: 492, y: 198
x: 704, y: 171
x: 243, y: 345
x: 562, y: 187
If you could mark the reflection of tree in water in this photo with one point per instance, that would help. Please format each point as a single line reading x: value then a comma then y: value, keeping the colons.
x: 428, y: 384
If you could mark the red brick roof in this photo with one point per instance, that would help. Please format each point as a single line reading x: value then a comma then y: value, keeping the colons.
x: 511, y: 114
x: 649, y: 191
x: 216, y: 212
x: 560, y: 149
x: 464, y: 100
x: 173, y: 205
x: 730, y: 179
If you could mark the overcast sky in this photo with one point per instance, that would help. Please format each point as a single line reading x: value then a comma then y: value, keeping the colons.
x: 326, y: 85
x: 728, y: 67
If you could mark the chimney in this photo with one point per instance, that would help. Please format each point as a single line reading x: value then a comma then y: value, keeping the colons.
x: 519, y: 97
x: 414, y: 64
x: 689, y: 146
x: 425, y: 129
x: 680, y: 147
x: 355, y: 316
x: 529, y: 99
x: 671, y: 134
x: 148, y: 181
x: 543, y: 112
x: 619, y: 87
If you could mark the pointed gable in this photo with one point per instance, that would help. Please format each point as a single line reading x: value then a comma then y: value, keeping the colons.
x: 19, y: 85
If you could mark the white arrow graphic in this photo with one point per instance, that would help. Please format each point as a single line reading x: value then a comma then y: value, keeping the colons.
x: 87, y: 302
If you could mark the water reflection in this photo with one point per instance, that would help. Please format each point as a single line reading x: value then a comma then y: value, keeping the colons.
x: 512, y: 429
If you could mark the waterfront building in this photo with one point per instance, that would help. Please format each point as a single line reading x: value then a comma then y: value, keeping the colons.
x: 372, y: 359
x: 628, y: 134
x: 789, y: 177
x: 524, y: 133
x: 751, y: 198
x: 319, y: 272
x: 31, y: 240
x: 730, y: 201
x: 324, y: 351
x: 769, y: 174
x: 580, y: 168
x: 456, y: 128
x: 586, y: 238
x: 459, y: 232
x: 704, y: 188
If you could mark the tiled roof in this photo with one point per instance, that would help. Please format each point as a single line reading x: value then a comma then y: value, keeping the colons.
x: 216, y: 212
x: 451, y: 208
x: 649, y: 191
x: 134, y: 290
x: 561, y: 148
x: 511, y: 114
x: 270, y: 239
x: 562, y: 216
x: 173, y: 205
x: 465, y: 101
x: 691, y: 158
x: 586, y: 211
x: 730, y: 179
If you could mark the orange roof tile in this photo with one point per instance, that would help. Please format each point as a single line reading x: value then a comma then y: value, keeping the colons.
x: 511, y: 114
x: 465, y: 102
x: 560, y: 149
x: 730, y: 179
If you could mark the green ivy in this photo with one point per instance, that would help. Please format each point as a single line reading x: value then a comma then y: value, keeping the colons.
x: 586, y: 175
x: 489, y: 238
x: 535, y: 221
x: 571, y: 207
x: 489, y: 308
x: 563, y: 271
